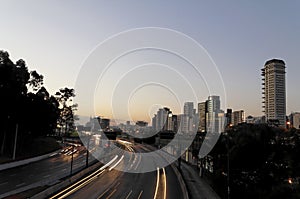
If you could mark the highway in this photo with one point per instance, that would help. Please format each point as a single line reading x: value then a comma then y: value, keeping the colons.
x: 49, y: 170
x: 110, y: 182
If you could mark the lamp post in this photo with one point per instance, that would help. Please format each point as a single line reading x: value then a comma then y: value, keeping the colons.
x: 72, y: 161
x: 88, y: 146
x: 15, y: 142
x: 228, y: 168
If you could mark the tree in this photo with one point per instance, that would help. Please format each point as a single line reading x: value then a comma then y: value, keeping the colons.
x: 67, y: 109
x: 36, y: 80
x: 35, y: 114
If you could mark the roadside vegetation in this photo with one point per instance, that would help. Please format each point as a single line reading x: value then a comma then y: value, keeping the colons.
x: 30, y: 116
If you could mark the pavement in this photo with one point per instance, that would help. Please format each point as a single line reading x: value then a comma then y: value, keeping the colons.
x: 197, y: 187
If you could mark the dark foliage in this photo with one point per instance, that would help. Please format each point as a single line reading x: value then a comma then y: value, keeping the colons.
x: 264, y: 162
x: 25, y: 104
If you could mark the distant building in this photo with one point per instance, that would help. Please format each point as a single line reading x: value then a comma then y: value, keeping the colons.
x: 295, y: 120
x: 202, y: 116
x: 172, y: 123
x: 221, y: 121
x: 213, y: 105
x: 188, y: 109
x: 188, y: 119
x: 141, y: 123
x: 229, y: 117
x: 250, y: 120
x: 104, y: 124
x: 154, y: 122
x: 93, y: 124
x: 163, y: 120
x: 274, y: 94
x: 238, y: 117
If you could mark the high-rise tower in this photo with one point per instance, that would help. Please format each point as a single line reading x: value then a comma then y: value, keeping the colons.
x: 213, y: 109
x: 274, y: 98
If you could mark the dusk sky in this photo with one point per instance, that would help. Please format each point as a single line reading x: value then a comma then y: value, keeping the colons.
x: 56, y: 37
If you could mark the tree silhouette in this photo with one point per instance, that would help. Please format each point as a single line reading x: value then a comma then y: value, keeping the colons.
x: 66, y: 118
x: 35, y: 113
x: 262, y: 159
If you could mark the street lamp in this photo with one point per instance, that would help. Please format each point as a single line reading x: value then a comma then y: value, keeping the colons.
x: 228, y: 168
x: 72, y: 160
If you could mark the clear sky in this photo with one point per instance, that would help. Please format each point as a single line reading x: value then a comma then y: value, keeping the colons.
x: 55, y: 38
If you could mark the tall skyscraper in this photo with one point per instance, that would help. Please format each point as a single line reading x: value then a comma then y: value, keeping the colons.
x: 202, y: 119
x: 188, y: 109
x: 188, y: 120
x: 274, y: 98
x: 213, y: 105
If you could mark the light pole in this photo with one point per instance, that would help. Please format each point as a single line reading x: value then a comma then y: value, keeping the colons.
x: 72, y: 160
x: 88, y: 146
x: 228, y: 168
x: 15, y: 143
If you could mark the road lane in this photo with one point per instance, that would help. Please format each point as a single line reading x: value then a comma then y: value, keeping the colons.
x: 115, y: 184
x: 50, y: 169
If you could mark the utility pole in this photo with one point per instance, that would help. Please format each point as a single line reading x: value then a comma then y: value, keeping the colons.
x: 228, y: 179
x: 15, y: 144
x: 72, y: 161
x: 87, y: 153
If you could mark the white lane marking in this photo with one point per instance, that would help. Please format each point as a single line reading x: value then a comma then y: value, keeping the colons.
x: 128, y: 194
x: 138, y: 162
x: 18, y: 185
x: 46, y: 176
x: 134, y: 160
x: 140, y: 194
x: 71, y: 189
x: 79, y: 186
x: 157, y: 184
x: 103, y: 193
x: 109, y: 163
x: 110, y: 195
x: 116, y: 163
x: 165, y: 183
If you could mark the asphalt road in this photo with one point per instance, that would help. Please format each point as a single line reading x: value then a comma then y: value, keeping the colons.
x: 124, y: 185
x: 49, y: 170
x: 111, y: 182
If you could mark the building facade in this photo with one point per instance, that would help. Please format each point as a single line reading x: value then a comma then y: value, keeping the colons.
x: 202, y: 119
x: 274, y: 93
x: 213, y: 105
x: 295, y: 120
x: 238, y: 117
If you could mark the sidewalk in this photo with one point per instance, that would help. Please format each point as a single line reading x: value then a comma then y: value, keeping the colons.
x: 196, y: 186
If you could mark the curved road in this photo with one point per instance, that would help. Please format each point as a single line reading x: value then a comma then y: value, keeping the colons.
x: 116, y: 184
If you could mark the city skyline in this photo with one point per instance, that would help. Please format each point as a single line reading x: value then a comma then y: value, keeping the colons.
x: 246, y: 42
